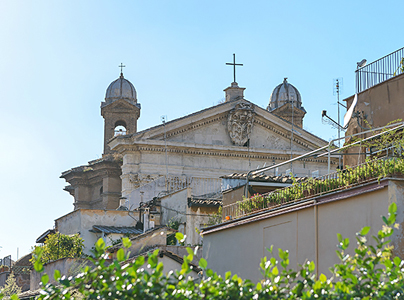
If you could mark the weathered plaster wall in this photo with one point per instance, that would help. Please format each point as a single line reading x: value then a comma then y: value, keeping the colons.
x: 197, y: 218
x: 172, y: 204
x: 382, y: 103
x: 309, y: 233
x: 82, y: 220
x: 3, y: 278
x: 66, y: 266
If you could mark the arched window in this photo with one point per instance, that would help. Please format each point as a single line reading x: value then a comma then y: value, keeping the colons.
x: 119, y: 128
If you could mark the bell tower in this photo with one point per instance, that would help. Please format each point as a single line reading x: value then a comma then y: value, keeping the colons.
x: 120, y: 110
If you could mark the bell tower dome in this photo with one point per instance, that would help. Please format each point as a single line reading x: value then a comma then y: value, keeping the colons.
x: 120, y: 110
x: 286, y: 103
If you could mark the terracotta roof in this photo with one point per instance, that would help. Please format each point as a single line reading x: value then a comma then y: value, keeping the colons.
x: 43, y: 236
x: 204, y: 202
x: 24, y: 261
x: 264, y: 178
x: 114, y: 229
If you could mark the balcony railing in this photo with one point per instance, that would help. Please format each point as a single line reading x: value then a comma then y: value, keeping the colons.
x: 380, y: 70
x: 350, y: 177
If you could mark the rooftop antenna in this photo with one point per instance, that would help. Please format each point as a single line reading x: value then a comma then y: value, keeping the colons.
x: 163, y: 120
x: 337, y: 90
x: 291, y: 133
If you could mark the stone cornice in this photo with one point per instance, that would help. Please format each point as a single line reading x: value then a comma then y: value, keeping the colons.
x: 222, y: 151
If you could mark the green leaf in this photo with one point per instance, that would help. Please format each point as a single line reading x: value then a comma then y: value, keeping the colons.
x: 203, y: 263
x: 312, y: 266
x: 323, y: 278
x: 100, y: 244
x: 38, y: 266
x: 189, y: 250
x: 120, y: 255
x: 45, y: 279
x: 160, y: 267
x: 346, y: 243
x: 140, y: 260
x: 179, y: 236
x: 190, y: 254
x: 339, y: 237
x: 14, y: 297
x: 270, y: 249
x: 397, y: 261
x: 126, y: 242
x: 392, y: 208
x: 385, y: 220
x: 259, y: 286
x: 185, y: 267
x: 56, y: 275
x: 364, y: 231
x: 227, y: 275
x: 152, y: 260
x: 275, y: 271
x: 281, y: 253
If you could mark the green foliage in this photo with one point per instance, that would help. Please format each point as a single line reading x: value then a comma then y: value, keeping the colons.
x: 371, y: 273
x: 371, y: 170
x: 215, y: 218
x: 58, y: 246
x: 10, y: 287
x: 400, y: 67
x: 174, y: 224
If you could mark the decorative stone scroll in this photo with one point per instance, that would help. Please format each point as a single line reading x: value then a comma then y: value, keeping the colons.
x: 138, y: 180
x: 240, y: 123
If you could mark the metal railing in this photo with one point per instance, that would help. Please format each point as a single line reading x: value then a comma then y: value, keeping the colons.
x: 350, y: 177
x: 379, y: 70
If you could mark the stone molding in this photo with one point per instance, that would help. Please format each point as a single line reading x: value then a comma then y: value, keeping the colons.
x: 229, y: 153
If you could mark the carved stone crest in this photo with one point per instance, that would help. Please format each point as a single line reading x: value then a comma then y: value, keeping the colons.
x: 240, y: 123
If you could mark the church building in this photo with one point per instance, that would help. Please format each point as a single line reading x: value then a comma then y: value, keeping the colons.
x: 191, y: 152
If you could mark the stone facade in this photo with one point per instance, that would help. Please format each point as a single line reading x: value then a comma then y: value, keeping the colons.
x: 209, y: 144
x: 191, y: 153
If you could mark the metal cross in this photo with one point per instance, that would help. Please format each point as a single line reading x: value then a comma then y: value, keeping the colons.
x: 234, y: 66
x: 122, y: 66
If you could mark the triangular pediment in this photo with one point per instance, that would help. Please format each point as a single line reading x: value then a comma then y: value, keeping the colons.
x: 211, y: 127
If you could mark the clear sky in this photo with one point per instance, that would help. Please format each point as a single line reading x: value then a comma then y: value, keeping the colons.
x: 58, y: 57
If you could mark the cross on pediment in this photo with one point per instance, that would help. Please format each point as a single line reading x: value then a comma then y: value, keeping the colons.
x: 234, y: 66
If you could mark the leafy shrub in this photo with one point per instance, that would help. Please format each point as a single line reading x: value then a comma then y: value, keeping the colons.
x: 58, y: 246
x: 376, y: 169
x: 372, y: 273
x: 10, y: 288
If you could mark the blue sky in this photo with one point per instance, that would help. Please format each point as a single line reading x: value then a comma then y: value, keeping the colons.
x: 58, y: 57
